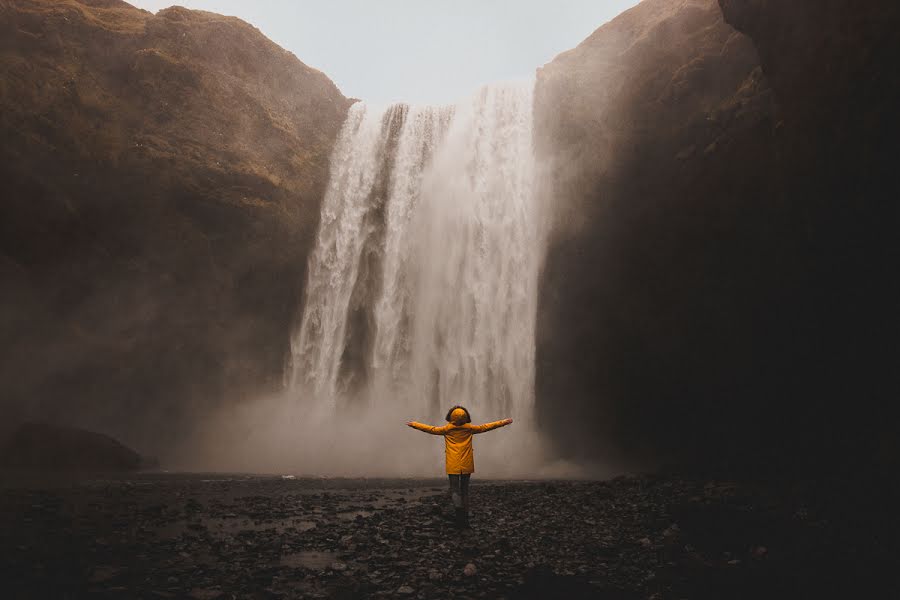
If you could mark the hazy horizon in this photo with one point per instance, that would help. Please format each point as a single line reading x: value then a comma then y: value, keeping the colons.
x: 418, y: 52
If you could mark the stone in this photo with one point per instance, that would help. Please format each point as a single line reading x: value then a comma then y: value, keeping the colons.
x: 205, y: 594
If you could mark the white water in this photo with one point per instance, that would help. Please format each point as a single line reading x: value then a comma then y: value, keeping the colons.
x: 422, y: 288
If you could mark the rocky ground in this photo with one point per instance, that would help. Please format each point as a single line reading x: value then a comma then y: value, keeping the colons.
x: 215, y: 536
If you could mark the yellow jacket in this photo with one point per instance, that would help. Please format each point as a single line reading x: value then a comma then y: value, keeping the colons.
x: 458, y: 442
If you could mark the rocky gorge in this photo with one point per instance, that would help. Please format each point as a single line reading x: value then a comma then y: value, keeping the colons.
x: 718, y: 268
x: 715, y: 310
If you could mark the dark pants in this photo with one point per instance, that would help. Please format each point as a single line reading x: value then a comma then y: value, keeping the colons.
x: 459, y: 490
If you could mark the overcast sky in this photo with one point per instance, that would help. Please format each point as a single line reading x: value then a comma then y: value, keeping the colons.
x: 420, y: 51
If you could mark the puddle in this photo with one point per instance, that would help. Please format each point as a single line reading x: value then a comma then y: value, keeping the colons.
x: 317, y: 561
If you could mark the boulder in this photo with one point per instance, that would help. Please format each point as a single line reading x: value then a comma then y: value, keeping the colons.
x: 45, y: 447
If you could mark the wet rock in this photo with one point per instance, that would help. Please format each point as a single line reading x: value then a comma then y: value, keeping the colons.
x: 103, y: 573
x: 205, y: 594
x: 550, y: 550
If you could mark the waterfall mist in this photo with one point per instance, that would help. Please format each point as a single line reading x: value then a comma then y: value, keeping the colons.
x: 421, y: 293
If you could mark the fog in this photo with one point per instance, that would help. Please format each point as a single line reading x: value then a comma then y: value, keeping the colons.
x: 281, y: 434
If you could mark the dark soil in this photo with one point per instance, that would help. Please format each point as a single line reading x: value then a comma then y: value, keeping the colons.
x: 235, y: 536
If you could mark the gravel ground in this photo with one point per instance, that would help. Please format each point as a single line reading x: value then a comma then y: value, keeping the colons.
x: 648, y: 537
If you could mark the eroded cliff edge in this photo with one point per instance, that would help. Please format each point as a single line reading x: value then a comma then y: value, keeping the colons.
x: 162, y: 177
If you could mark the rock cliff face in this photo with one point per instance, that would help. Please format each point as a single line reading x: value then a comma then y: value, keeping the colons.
x: 832, y: 66
x: 825, y: 59
x: 722, y: 271
x: 161, y: 183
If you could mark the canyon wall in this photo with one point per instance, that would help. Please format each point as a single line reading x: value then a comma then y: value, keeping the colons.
x: 162, y: 178
x: 719, y: 285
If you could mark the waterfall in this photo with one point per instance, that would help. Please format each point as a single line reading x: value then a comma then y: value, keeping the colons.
x: 422, y: 287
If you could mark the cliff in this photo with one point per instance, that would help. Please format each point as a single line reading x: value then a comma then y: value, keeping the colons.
x: 722, y: 269
x: 161, y: 178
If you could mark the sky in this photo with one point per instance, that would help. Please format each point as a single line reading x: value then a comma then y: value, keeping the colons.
x: 418, y: 51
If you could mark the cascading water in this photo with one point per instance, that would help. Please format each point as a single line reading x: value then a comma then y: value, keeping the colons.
x: 422, y: 288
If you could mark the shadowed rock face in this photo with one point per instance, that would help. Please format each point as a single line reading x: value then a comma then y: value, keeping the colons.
x: 824, y: 58
x: 161, y: 185
x: 724, y: 270
x: 832, y: 66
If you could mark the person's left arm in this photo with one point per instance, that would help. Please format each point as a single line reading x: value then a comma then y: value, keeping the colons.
x: 489, y: 426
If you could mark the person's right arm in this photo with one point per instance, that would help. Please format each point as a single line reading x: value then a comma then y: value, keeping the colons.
x: 429, y: 428
x: 489, y: 426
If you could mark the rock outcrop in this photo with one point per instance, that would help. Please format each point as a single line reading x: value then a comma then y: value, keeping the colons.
x: 162, y: 177
x: 723, y: 269
x: 44, y: 447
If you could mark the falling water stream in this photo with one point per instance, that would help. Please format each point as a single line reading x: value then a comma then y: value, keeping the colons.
x: 422, y: 287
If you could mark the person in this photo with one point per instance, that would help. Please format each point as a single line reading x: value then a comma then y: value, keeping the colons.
x: 460, y: 457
